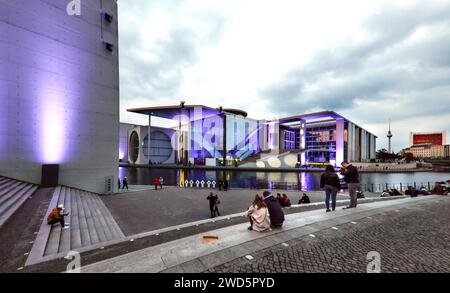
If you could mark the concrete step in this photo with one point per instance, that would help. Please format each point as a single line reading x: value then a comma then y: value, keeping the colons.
x: 64, y: 241
x: 56, y: 229
x: 100, y: 225
x: 84, y: 229
x: 109, y: 219
x: 107, y: 224
x: 89, y: 218
x: 8, y: 187
x: 19, y: 202
x: 75, y: 233
x: 9, y: 198
x: 3, y: 181
x: 40, y: 243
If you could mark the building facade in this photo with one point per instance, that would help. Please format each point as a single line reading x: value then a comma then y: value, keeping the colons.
x: 208, y: 136
x: 59, y: 91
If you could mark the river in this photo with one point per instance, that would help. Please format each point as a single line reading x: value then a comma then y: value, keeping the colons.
x: 283, y: 180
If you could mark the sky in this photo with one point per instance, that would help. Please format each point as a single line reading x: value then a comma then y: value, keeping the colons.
x: 370, y: 61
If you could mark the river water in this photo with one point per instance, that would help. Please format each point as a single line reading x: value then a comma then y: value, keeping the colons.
x: 277, y: 180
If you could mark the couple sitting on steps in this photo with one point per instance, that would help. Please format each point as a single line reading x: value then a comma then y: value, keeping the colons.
x: 265, y: 213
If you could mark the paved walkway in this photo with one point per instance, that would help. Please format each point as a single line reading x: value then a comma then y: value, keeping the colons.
x: 142, y: 211
x: 192, y: 254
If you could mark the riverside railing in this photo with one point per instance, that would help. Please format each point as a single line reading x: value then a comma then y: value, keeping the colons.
x: 270, y: 185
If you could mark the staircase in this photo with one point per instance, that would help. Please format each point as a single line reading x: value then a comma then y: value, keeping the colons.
x: 13, y: 194
x: 91, y: 226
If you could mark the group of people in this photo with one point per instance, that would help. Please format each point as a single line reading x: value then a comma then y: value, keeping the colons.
x: 265, y: 213
x: 223, y: 184
x: 331, y: 184
x: 158, y: 182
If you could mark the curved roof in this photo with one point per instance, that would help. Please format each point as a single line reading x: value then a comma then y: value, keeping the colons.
x: 172, y: 111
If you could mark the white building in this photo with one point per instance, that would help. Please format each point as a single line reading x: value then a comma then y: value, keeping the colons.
x: 59, y: 91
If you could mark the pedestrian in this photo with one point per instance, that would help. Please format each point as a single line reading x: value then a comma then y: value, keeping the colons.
x: 118, y: 182
x: 57, y: 216
x: 351, y: 177
x: 258, y: 215
x: 156, y: 183
x: 304, y: 199
x: 124, y: 183
x: 161, y: 182
x: 225, y: 185
x: 213, y: 204
x: 219, y: 184
x: 275, y: 210
x: 330, y: 182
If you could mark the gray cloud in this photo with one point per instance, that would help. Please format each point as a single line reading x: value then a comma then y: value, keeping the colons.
x: 388, y: 67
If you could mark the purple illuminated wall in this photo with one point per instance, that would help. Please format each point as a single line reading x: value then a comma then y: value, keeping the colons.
x: 59, y: 91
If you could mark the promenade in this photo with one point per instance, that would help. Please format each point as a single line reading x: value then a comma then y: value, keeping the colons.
x: 405, y: 228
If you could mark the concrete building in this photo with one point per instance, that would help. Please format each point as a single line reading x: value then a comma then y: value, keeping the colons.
x: 219, y: 136
x: 59, y: 91
x: 428, y: 150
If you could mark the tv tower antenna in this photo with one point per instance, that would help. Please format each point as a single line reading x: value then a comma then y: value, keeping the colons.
x: 389, y: 136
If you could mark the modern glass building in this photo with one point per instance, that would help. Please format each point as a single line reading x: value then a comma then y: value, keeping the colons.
x: 219, y: 136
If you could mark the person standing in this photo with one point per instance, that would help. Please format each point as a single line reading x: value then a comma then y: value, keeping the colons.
x: 275, y: 211
x: 329, y: 181
x: 156, y: 183
x: 225, y: 185
x: 124, y: 183
x: 213, y: 202
x: 351, y: 177
x: 161, y: 182
x: 258, y: 215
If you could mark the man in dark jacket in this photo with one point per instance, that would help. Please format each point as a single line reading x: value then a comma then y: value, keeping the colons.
x: 213, y: 202
x: 275, y: 210
x: 351, y: 177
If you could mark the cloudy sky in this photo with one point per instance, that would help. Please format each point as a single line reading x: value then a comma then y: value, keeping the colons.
x: 370, y: 61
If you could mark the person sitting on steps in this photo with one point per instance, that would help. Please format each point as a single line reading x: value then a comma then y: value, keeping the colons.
x: 57, y: 216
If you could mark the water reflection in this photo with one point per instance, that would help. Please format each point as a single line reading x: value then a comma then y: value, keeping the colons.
x: 268, y: 180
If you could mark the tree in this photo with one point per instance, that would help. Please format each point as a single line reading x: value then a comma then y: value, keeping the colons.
x: 409, y: 157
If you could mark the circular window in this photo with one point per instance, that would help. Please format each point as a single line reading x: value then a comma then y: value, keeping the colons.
x: 134, y: 146
x: 160, y: 147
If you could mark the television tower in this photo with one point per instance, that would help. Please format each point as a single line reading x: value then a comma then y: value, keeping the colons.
x: 389, y: 136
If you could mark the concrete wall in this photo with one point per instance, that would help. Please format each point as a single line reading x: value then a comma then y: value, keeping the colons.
x: 142, y: 132
x: 59, y: 91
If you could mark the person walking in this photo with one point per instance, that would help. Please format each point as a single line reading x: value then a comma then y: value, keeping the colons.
x: 351, y: 177
x: 213, y: 202
x: 258, y: 215
x: 156, y: 183
x: 330, y: 182
x: 275, y: 211
x: 161, y: 182
x: 124, y: 183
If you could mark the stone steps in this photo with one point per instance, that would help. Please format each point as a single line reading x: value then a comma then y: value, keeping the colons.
x: 13, y: 194
x: 91, y: 224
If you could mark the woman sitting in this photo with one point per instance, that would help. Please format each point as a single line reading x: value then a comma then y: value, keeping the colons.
x: 258, y: 215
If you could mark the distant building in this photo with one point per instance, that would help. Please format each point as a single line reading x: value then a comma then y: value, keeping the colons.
x: 435, y: 138
x: 428, y: 150
x: 210, y: 136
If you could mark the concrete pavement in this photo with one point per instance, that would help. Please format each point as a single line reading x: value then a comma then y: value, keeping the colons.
x: 192, y: 254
